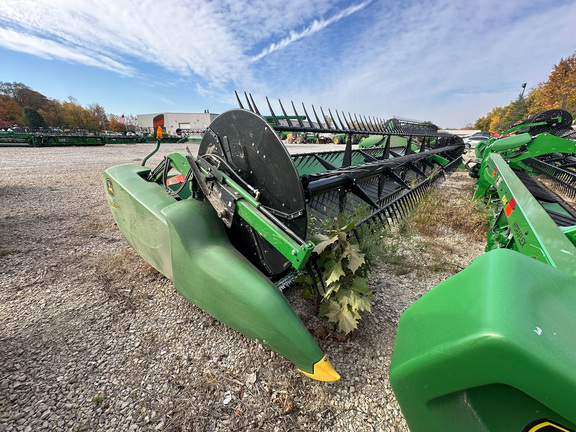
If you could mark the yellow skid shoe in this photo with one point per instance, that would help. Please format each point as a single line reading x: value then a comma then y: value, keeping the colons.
x: 323, y: 371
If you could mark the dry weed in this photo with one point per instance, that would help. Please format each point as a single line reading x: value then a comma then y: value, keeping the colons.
x: 122, y: 275
x: 441, y: 212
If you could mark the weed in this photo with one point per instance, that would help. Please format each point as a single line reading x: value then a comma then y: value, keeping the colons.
x: 439, y: 213
x: 98, y: 399
x: 344, y: 293
x: 414, y: 244
x: 118, y: 273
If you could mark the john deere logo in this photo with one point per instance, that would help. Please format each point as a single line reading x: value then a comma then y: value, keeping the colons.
x: 110, y: 187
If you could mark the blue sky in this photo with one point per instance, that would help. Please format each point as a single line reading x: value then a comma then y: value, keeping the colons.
x: 449, y: 62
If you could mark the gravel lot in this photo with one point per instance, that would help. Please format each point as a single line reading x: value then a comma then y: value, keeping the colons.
x: 93, y: 339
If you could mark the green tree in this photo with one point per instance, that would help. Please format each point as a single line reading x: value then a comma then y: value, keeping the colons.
x: 31, y: 118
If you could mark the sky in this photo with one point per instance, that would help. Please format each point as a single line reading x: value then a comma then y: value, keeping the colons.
x: 445, y: 61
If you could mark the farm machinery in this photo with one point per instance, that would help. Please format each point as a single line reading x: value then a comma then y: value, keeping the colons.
x: 62, y: 139
x: 49, y: 140
x: 493, y: 347
x: 230, y: 224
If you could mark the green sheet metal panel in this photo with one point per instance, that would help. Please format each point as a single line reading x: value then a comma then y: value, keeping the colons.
x: 187, y: 242
x: 490, y: 349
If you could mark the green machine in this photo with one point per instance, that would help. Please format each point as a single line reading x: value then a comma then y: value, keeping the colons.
x: 493, y: 348
x: 229, y: 224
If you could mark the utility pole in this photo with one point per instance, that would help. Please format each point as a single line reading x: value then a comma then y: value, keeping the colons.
x: 520, y: 99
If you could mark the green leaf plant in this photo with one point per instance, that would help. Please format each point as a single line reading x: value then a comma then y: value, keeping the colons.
x: 344, y: 293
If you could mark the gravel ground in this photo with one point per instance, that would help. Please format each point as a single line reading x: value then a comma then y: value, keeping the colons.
x: 93, y: 339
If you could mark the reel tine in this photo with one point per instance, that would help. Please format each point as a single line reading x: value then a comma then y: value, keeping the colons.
x: 254, y: 105
x: 307, y: 116
x: 285, y: 115
x: 248, y: 102
x: 272, y: 112
x: 238, y: 99
x: 325, y: 119
x: 340, y: 120
x: 297, y: 116
x: 317, y: 119
x: 383, y: 125
x: 333, y: 119
x: 368, y: 124
x: 359, y: 122
x: 351, y: 122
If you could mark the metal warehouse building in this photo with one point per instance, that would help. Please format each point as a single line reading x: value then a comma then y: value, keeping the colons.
x: 173, y: 121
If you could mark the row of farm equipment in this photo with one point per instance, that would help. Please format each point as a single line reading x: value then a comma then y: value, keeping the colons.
x: 489, y: 349
x: 36, y: 139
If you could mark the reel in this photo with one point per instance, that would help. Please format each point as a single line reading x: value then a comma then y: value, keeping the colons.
x: 254, y: 156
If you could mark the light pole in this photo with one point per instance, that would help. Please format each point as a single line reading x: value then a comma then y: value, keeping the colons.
x: 520, y: 99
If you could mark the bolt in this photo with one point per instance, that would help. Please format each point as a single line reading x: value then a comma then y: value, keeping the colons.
x: 223, y: 214
x: 294, y: 252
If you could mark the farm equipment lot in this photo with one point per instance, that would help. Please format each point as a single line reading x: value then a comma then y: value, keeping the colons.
x: 93, y: 338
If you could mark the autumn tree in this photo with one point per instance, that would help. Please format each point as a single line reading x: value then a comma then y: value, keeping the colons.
x: 53, y: 113
x: 15, y: 97
x: 493, y: 121
x: 74, y: 114
x: 98, y: 117
x: 10, y: 111
x: 559, y: 91
x: 23, y: 95
x: 117, y: 123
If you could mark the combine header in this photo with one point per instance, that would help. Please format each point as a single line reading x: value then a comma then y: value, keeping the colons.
x: 492, y: 348
x: 11, y: 139
x: 226, y: 224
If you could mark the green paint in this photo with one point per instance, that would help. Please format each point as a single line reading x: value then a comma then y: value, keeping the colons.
x: 490, y: 349
x: 187, y: 242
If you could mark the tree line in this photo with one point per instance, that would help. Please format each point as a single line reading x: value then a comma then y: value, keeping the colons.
x: 22, y: 106
x: 559, y: 91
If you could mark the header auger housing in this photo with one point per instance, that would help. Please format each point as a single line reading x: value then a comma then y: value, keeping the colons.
x: 228, y: 223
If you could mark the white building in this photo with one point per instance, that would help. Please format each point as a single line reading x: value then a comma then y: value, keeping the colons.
x: 173, y: 121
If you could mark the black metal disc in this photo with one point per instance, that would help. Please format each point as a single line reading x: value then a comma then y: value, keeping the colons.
x: 254, y: 151
x: 553, y: 126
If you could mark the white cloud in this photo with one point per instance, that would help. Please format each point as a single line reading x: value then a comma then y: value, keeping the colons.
x: 316, y: 26
x: 449, y: 63
x: 181, y: 39
x: 444, y: 61
x: 49, y: 49
x: 208, y: 39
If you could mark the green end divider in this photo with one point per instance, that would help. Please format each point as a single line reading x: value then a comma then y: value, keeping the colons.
x: 490, y: 349
x: 187, y: 242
